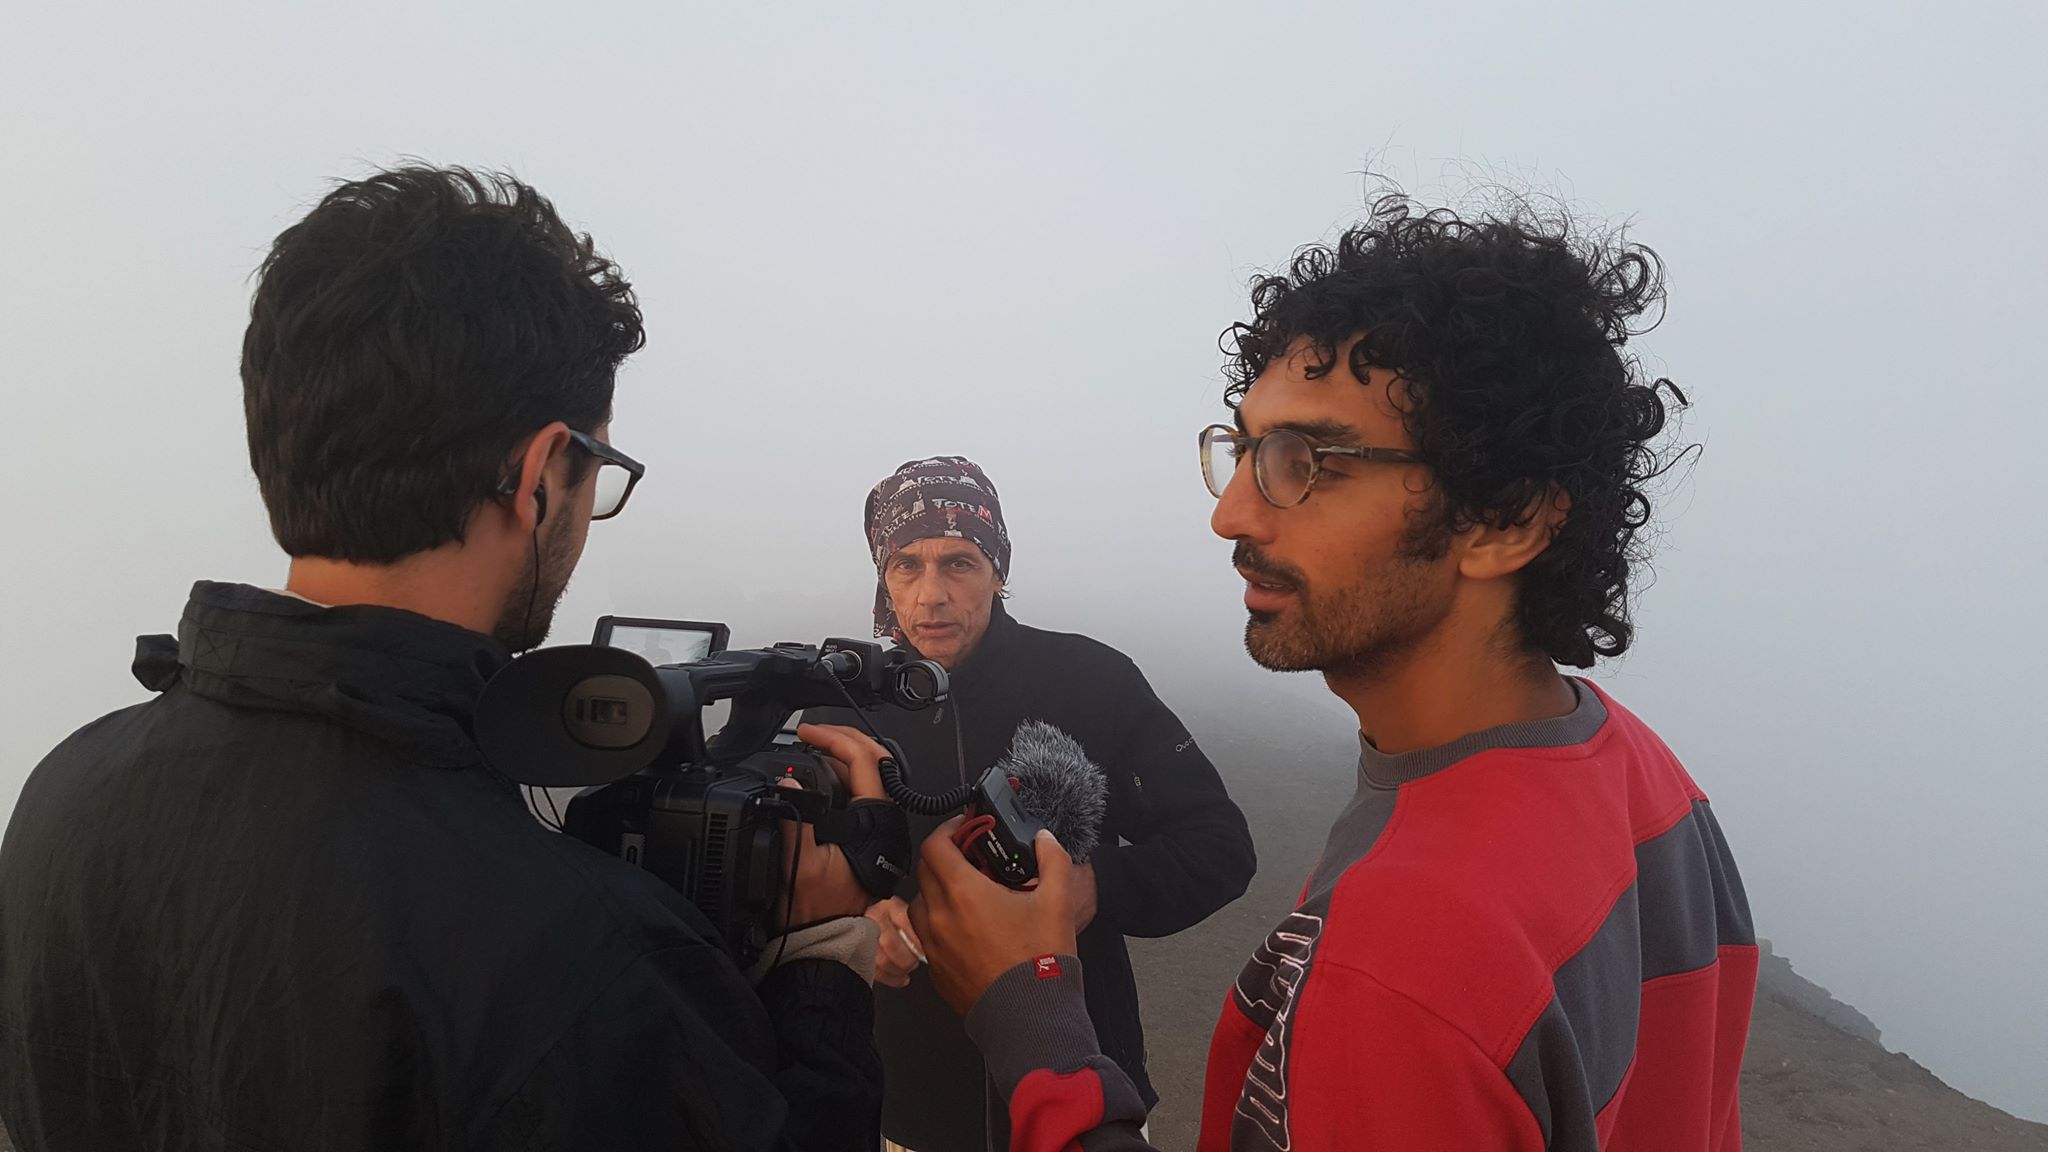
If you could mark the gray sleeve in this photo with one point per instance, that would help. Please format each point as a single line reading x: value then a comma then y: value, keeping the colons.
x: 1033, y: 1030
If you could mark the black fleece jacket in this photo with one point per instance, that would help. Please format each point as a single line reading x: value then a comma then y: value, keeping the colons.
x: 1175, y: 849
x: 283, y: 905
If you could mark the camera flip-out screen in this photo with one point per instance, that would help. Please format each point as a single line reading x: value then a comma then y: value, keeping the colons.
x: 661, y: 641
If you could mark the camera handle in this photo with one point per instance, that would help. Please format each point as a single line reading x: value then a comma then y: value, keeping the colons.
x: 873, y: 834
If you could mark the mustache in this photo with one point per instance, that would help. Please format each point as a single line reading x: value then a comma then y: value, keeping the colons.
x: 1246, y: 558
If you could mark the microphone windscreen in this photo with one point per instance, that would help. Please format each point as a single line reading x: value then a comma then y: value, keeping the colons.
x: 1059, y: 785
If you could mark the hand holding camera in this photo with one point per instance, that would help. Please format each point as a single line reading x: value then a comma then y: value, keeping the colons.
x: 824, y: 884
x: 767, y: 836
x: 757, y: 830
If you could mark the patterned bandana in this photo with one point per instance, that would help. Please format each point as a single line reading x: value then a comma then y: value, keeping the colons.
x: 942, y: 496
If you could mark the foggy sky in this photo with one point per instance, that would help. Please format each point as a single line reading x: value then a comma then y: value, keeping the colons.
x: 863, y: 237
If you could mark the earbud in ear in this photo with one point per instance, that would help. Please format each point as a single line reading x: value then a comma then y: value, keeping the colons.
x: 540, y: 505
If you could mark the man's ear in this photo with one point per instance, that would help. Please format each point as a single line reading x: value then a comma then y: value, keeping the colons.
x: 533, y: 468
x: 1493, y: 552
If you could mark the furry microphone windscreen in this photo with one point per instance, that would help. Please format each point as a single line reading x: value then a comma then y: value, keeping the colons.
x: 1059, y: 785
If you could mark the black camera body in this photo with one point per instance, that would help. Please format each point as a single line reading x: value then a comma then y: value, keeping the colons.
x: 704, y: 815
x: 713, y: 834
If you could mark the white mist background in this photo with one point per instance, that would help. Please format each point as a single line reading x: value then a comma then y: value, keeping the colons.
x: 865, y: 234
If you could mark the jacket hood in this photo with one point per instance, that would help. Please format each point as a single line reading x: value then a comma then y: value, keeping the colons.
x: 401, y: 678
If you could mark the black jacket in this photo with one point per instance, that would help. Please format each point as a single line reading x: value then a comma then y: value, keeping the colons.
x: 1175, y: 849
x: 283, y: 906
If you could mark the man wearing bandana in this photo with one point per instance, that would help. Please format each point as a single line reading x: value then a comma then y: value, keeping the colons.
x: 1174, y: 846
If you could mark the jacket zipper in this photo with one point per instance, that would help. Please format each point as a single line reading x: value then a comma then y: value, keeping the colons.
x: 959, y: 737
x: 960, y: 743
x: 988, y: 1129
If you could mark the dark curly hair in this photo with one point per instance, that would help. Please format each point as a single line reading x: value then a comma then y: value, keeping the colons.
x: 1510, y: 333
x: 405, y: 337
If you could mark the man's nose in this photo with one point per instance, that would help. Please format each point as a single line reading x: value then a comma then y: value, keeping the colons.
x: 1241, y: 512
x: 928, y: 591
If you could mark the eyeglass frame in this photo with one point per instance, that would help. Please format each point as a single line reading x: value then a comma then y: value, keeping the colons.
x: 606, y: 454
x: 1247, y: 447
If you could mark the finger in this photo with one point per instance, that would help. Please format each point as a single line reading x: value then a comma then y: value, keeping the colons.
x: 941, y: 867
x: 848, y: 743
x: 789, y: 834
x: 894, y: 952
x: 789, y: 827
x: 859, y: 758
x: 844, y: 774
x: 892, y: 913
x: 945, y: 831
x: 895, y: 921
x: 1055, y: 868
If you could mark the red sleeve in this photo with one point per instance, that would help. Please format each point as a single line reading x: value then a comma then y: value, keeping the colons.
x: 1368, y: 1067
x: 1050, y: 1112
x: 1034, y: 1034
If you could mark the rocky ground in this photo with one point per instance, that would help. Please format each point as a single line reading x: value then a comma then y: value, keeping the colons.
x: 1808, y: 1086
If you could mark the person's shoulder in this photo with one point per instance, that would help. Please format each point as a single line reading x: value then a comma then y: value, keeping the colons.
x: 130, y: 746
x: 1660, y: 787
x: 92, y: 763
x: 120, y: 729
x: 461, y: 839
x: 1083, y: 650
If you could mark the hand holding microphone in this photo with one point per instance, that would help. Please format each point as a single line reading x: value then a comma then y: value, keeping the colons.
x: 975, y: 929
x: 1008, y: 882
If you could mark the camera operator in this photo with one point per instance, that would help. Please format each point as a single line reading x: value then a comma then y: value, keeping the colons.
x: 284, y: 904
x: 1525, y: 930
x: 1175, y: 848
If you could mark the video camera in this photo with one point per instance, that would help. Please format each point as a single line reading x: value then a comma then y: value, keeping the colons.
x: 622, y: 718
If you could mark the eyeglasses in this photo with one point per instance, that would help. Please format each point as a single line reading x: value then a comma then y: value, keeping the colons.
x: 617, y: 473
x: 1285, y: 463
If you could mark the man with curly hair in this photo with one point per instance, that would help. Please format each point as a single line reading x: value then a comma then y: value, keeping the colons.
x: 1525, y: 931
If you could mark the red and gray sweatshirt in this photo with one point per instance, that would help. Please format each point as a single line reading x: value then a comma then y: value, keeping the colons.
x: 1533, y: 937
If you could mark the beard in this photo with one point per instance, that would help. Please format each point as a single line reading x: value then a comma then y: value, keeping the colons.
x: 529, y: 611
x: 1362, y: 627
